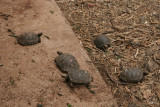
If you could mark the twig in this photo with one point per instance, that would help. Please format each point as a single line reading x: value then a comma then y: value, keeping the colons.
x: 154, y: 58
x: 46, y: 37
x: 94, y: 62
x: 136, y: 53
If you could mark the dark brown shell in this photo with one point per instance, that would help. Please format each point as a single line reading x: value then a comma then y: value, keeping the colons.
x: 66, y: 62
x: 101, y: 41
x: 29, y: 38
x: 131, y: 75
x: 80, y: 76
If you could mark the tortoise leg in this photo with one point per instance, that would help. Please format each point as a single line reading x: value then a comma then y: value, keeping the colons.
x: 142, y: 80
x: 87, y: 85
x: 103, y: 48
x: 91, y: 91
x: 66, y: 78
x: 39, y: 41
x: 71, y: 84
x: 89, y: 88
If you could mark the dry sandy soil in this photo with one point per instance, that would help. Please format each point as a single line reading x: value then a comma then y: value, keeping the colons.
x: 28, y: 74
x: 134, y: 29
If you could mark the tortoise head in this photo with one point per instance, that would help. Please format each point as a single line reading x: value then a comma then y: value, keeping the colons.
x: 122, y: 76
x: 40, y: 34
x: 65, y: 77
x: 59, y: 52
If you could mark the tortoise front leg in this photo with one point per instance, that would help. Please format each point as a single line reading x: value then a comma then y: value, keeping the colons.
x: 71, y: 84
x: 103, y: 48
x: 88, y: 85
x: 39, y: 41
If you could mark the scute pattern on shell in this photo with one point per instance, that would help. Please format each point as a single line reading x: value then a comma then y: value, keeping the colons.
x: 101, y: 41
x: 29, y: 38
x: 80, y: 76
x: 66, y: 62
x: 131, y: 75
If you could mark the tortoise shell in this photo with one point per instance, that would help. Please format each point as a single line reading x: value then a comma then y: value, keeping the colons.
x: 66, y: 62
x: 101, y: 41
x: 131, y: 75
x: 29, y: 38
x: 79, y: 76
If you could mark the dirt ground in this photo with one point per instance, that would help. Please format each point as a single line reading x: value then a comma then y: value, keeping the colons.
x: 28, y: 74
x: 134, y: 29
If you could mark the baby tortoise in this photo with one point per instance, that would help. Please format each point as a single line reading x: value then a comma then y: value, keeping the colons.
x: 102, y: 42
x: 66, y: 62
x: 132, y: 75
x: 28, y: 38
x: 78, y: 77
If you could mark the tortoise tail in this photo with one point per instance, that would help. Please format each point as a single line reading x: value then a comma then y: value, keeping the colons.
x: 59, y: 52
x: 40, y: 34
x: 13, y: 36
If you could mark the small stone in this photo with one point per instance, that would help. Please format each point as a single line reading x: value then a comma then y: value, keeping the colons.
x: 60, y: 94
x: 51, y: 11
x: 33, y: 60
x: 146, y: 23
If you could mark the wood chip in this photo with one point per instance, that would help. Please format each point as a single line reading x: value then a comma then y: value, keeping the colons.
x: 158, y: 94
x: 146, y: 93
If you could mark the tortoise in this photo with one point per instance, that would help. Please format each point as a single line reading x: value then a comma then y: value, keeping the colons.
x: 132, y: 75
x: 66, y: 62
x: 78, y: 77
x: 28, y: 38
x: 39, y: 105
x: 102, y: 42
